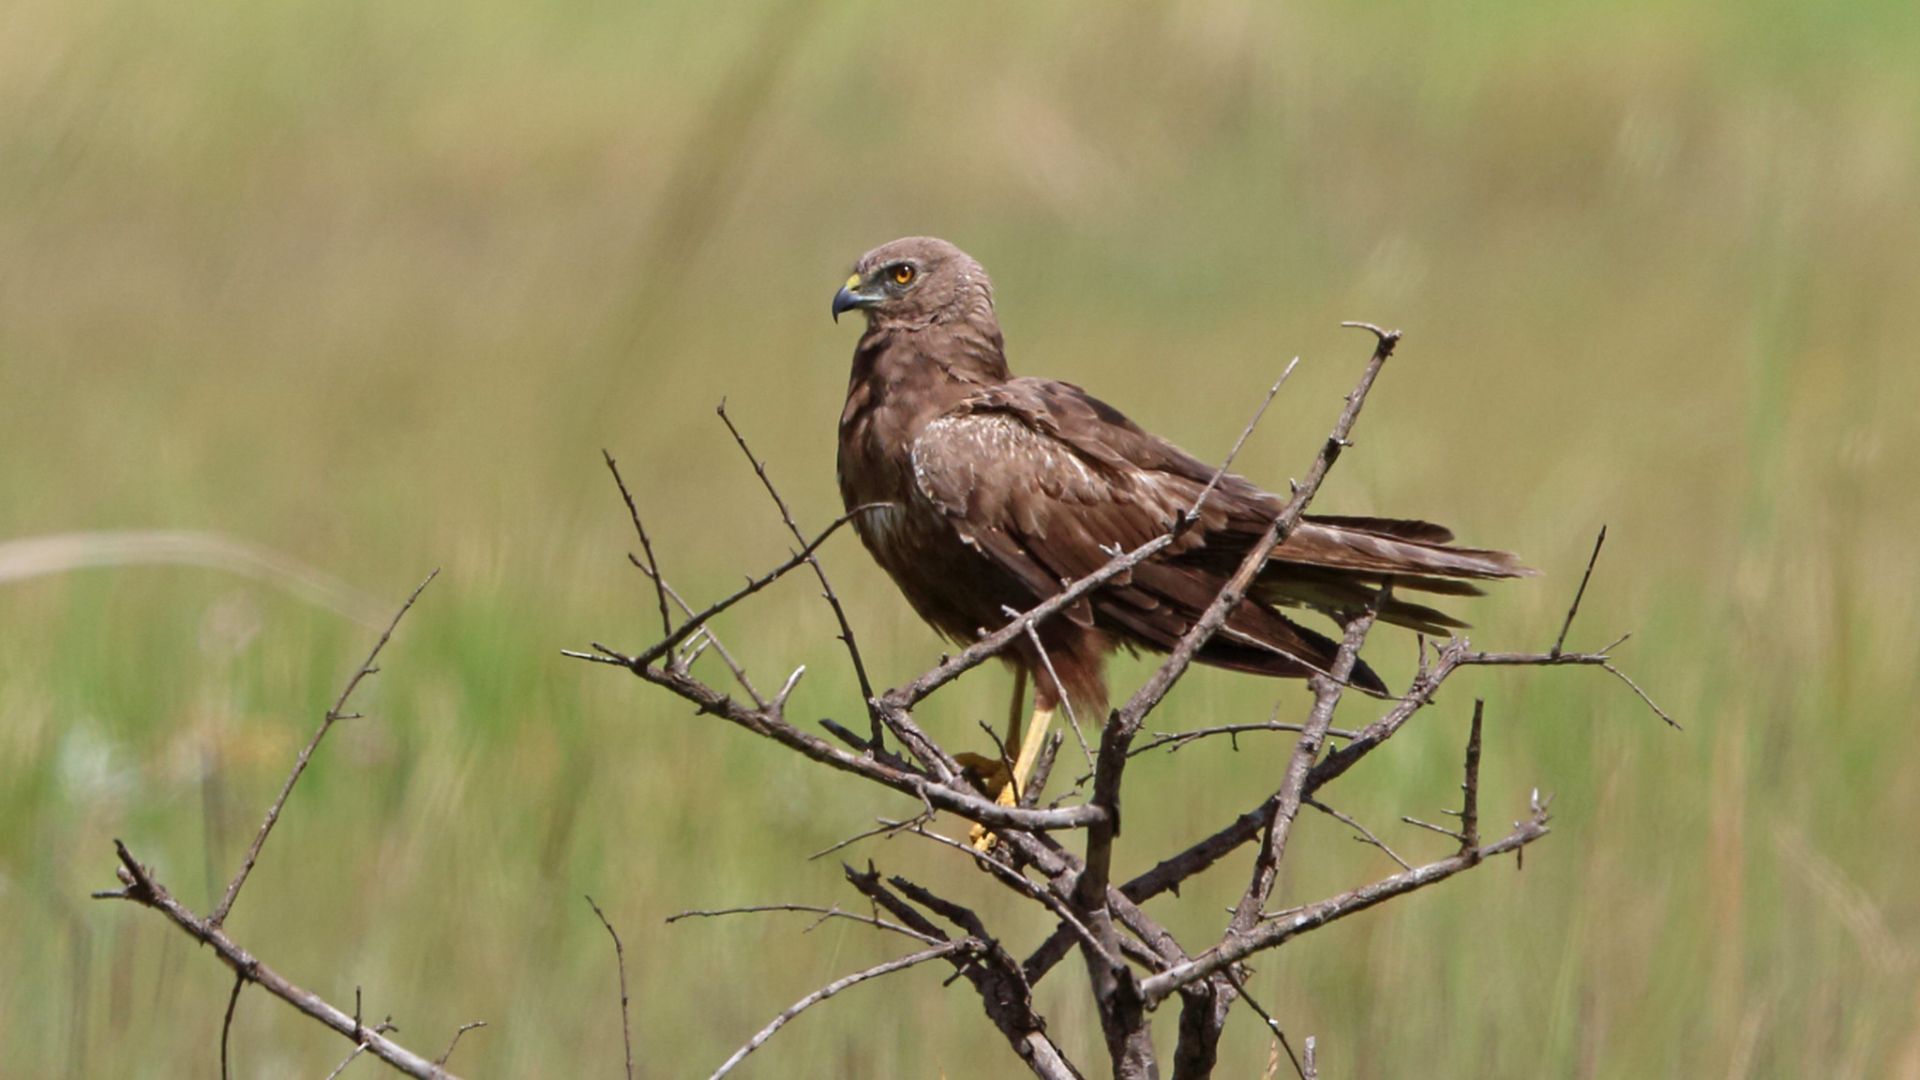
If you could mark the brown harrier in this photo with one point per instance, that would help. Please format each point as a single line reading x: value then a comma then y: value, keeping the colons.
x: 1004, y: 489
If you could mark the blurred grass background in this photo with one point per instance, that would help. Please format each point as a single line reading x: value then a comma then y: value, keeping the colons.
x: 370, y: 286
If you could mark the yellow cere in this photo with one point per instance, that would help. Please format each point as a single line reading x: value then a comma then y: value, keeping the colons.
x: 853, y: 280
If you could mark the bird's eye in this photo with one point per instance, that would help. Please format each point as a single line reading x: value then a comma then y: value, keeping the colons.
x: 903, y: 274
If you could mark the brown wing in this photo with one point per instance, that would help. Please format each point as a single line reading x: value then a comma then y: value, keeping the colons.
x: 1047, y: 481
x: 1029, y: 479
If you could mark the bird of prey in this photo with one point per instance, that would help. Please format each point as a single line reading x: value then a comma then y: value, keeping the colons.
x: 1000, y: 491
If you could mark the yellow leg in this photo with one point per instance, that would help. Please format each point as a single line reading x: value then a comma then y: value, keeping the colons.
x: 1029, y: 754
x: 1011, y: 788
x: 995, y: 770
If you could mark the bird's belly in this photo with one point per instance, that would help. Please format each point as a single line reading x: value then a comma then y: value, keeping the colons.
x: 947, y: 582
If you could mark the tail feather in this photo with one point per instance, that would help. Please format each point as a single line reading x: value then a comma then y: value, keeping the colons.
x: 1422, y: 532
x: 1336, y: 564
x: 1316, y: 544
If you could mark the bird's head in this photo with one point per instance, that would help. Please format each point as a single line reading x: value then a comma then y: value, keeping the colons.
x: 916, y: 281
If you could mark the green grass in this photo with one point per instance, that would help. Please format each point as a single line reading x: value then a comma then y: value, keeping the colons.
x: 372, y: 286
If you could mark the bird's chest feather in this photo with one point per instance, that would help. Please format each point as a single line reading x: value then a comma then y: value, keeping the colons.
x: 876, y: 467
x: 911, y: 538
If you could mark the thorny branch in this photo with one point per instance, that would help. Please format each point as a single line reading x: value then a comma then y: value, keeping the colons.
x: 1134, y: 963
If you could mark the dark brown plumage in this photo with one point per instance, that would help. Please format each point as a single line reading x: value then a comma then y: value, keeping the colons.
x: 1003, y: 489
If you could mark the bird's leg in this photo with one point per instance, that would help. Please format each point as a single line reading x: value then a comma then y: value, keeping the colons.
x: 994, y: 770
x: 1044, y: 702
x: 1037, y: 731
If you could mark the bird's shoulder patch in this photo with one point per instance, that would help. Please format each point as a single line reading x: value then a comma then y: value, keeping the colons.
x: 992, y: 465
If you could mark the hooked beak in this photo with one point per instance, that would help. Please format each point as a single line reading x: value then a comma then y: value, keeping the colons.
x: 849, y: 297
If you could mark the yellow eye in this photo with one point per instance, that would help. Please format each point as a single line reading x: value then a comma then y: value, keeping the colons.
x: 903, y: 274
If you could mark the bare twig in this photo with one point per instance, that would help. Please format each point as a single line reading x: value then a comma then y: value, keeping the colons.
x: 226, y: 1024
x: 951, y: 668
x: 1192, y: 515
x: 334, y: 714
x: 1280, y: 1035
x: 1177, y: 740
x: 1451, y: 834
x: 885, y: 828
x: 1182, y: 655
x: 1002, y: 985
x: 1574, y: 608
x: 947, y: 948
x: 440, y: 1064
x: 823, y: 912
x: 140, y: 887
x: 652, y: 566
x: 620, y: 961
x: 359, y: 1048
x: 1366, y: 835
x: 1610, y: 669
